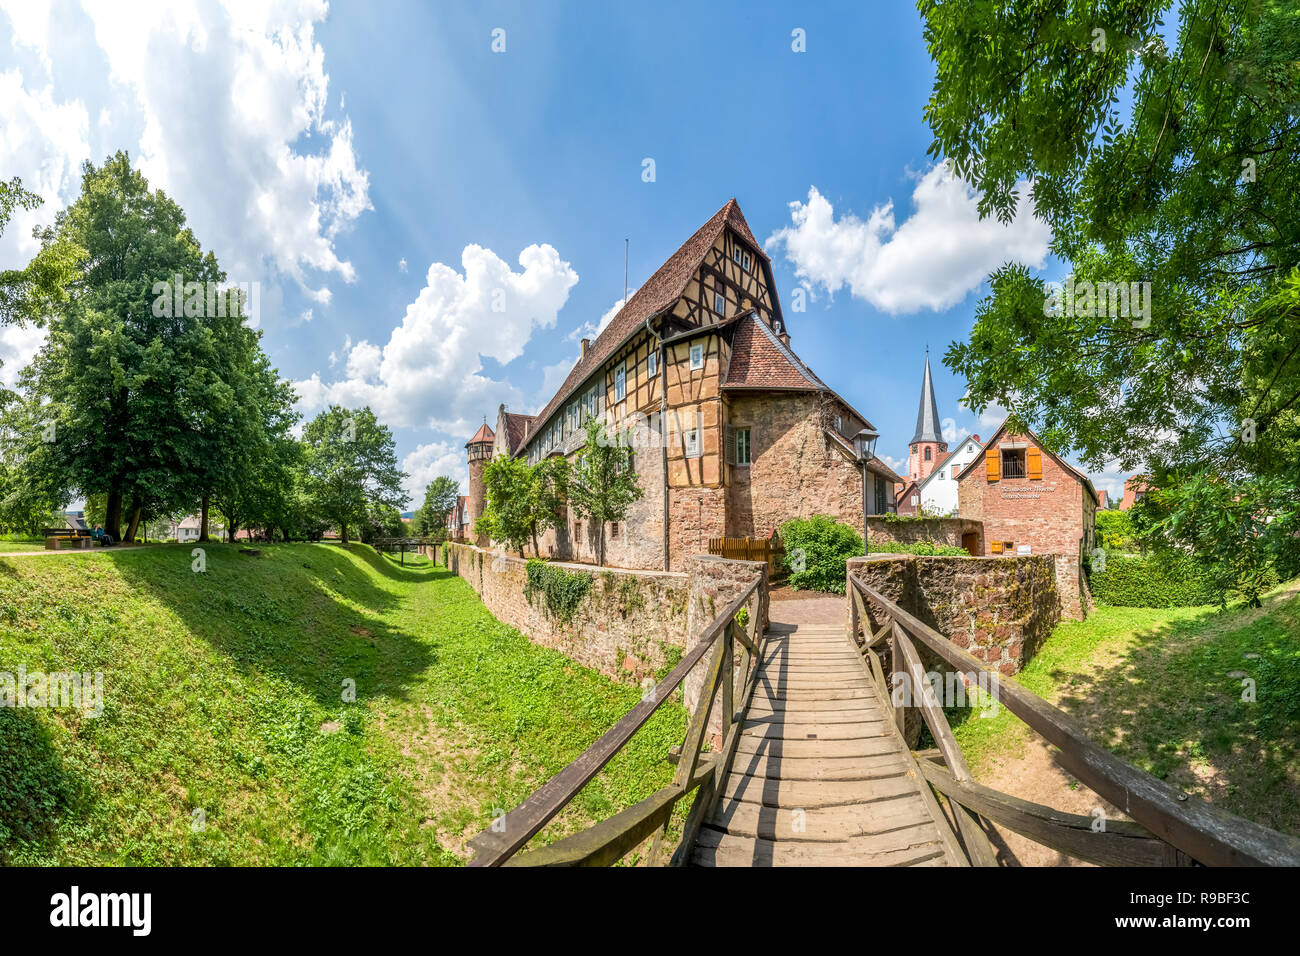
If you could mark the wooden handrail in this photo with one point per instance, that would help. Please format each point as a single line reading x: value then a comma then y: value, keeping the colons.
x: 495, y: 846
x: 1205, y: 833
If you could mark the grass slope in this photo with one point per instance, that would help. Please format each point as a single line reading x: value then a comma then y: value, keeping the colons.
x: 225, y: 738
x: 1163, y: 688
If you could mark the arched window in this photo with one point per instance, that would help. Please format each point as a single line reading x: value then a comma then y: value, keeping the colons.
x: 927, y: 454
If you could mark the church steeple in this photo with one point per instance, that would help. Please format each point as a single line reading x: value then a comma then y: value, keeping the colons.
x: 927, y: 415
x: 927, y: 445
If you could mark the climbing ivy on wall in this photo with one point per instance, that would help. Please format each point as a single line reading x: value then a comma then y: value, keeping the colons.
x: 561, y: 591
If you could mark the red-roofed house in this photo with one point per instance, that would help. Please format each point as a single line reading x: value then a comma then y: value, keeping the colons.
x: 751, y: 436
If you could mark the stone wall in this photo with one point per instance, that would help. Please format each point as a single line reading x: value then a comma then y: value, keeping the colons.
x: 1000, y: 610
x: 949, y: 531
x: 632, y: 623
x: 794, y: 470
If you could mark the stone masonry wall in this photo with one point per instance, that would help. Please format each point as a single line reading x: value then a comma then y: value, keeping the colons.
x: 999, y: 610
x: 793, y: 472
x: 631, y: 624
x: 949, y: 531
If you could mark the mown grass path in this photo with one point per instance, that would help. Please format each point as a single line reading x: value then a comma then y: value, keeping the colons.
x: 225, y: 736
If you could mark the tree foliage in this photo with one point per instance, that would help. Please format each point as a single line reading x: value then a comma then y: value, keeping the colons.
x: 440, y: 497
x: 1172, y: 164
x: 349, y: 466
x: 603, y: 484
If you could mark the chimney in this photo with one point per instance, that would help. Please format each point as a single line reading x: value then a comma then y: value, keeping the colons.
x: 586, y: 344
x: 977, y: 439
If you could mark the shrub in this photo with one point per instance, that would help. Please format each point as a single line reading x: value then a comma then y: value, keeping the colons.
x: 561, y: 591
x: 823, y: 546
x: 1158, y: 580
x: 1115, y: 530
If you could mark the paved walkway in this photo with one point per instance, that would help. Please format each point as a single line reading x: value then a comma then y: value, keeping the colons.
x: 821, y: 776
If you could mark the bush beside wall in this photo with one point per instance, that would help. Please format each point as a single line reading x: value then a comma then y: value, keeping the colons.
x: 1158, y: 580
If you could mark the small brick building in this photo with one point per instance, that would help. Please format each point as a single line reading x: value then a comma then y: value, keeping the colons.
x: 1031, y: 501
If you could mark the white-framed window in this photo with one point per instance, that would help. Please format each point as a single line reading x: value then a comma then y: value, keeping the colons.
x: 916, y: 500
x: 735, y: 254
x: 742, y: 446
x: 745, y: 261
x: 620, y: 383
x: 697, y: 356
x: 719, y: 301
x: 652, y: 363
x: 591, y: 402
x: 691, y: 437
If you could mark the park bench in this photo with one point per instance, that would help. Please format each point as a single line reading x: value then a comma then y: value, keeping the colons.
x: 57, y: 538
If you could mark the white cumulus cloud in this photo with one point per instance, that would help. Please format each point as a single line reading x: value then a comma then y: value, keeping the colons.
x: 430, y: 461
x: 932, y: 260
x: 221, y: 104
x: 430, y: 372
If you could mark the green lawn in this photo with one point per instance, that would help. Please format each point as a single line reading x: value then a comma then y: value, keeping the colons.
x: 223, y: 694
x: 1163, y: 688
x: 21, y: 544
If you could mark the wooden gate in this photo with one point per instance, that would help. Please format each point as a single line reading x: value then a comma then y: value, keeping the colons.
x: 770, y: 551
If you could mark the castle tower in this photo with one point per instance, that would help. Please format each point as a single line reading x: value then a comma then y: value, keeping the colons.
x: 927, y: 445
x: 479, y: 452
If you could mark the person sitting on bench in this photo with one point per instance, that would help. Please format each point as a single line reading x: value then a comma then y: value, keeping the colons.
x: 103, y: 537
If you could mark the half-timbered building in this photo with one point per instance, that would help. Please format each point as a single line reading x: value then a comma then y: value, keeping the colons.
x: 736, y: 433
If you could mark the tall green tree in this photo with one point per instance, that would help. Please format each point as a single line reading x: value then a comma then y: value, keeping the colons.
x: 1168, y: 164
x: 119, y: 391
x: 350, y: 463
x: 602, y: 485
x: 440, y: 497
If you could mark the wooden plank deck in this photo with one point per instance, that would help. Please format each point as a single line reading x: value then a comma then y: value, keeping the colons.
x: 821, y: 775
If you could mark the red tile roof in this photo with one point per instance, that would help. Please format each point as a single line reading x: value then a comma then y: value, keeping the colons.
x: 483, y: 434
x: 760, y: 360
x: 516, y: 430
x: 659, y: 293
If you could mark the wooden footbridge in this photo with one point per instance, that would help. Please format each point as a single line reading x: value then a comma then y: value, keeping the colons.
x: 812, y: 766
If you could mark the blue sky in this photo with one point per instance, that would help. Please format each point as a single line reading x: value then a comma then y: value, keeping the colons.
x: 379, y: 169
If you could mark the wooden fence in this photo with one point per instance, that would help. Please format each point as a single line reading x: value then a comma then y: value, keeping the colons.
x: 770, y: 551
x: 1171, y: 829
x: 700, y: 773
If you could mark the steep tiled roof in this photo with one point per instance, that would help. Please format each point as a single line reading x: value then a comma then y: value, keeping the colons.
x: 483, y: 434
x: 760, y: 360
x: 658, y: 293
x: 516, y: 429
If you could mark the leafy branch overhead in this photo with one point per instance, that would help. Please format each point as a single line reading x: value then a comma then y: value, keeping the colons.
x: 1166, y: 170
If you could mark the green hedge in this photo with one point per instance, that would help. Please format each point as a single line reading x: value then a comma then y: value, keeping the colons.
x: 927, y: 548
x: 1157, y: 580
x: 822, y: 546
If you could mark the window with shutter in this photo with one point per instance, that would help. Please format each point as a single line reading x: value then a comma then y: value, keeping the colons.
x: 730, y: 439
x: 992, y: 466
x: 1034, y: 463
